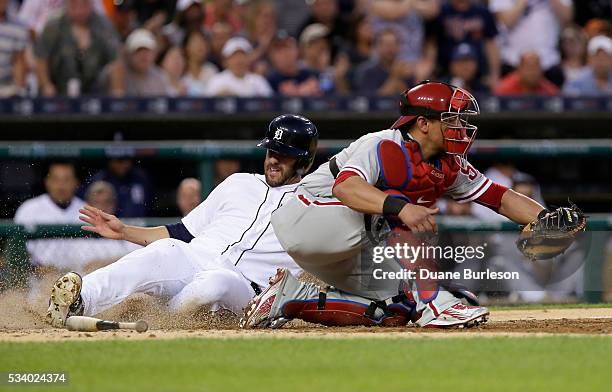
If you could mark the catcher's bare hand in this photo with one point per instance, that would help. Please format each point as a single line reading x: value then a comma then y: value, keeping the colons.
x: 106, y: 225
x: 419, y: 219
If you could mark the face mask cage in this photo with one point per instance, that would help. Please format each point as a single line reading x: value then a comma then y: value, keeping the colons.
x: 459, y: 133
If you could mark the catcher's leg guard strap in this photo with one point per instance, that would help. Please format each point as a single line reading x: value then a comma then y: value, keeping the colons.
x: 338, y: 309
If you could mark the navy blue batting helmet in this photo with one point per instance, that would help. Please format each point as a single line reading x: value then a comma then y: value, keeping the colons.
x: 292, y: 135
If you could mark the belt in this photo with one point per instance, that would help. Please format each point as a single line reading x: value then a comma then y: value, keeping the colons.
x: 333, y: 167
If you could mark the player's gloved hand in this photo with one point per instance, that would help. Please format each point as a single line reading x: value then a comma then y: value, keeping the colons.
x: 106, y: 225
x: 552, y: 233
x: 419, y: 219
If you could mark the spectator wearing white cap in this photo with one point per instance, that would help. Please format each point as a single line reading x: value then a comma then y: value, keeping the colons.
x: 316, y: 51
x: 236, y: 80
x: 597, y: 80
x: 141, y: 77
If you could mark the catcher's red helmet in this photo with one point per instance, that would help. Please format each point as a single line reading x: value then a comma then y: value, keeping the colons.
x: 451, y: 104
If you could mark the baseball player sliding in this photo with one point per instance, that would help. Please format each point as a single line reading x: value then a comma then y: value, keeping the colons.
x: 220, y: 255
x: 399, y: 173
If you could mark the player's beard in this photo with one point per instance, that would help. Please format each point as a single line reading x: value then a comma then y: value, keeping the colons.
x: 278, y: 175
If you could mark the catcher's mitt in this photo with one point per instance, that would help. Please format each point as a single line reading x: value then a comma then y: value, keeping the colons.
x: 552, y: 233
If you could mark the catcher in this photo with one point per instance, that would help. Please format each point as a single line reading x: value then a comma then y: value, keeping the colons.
x: 398, y: 173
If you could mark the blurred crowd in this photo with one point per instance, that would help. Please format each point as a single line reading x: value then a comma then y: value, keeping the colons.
x: 302, y: 47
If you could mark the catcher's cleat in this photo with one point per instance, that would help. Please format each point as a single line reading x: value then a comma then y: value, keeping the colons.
x: 65, y: 299
x: 263, y: 311
x: 459, y: 316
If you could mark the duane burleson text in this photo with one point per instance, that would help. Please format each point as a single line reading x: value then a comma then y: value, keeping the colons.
x: 424, y: 273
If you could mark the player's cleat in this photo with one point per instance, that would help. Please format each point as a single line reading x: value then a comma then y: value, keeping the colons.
x: 263, y: 311
x: 459, y: 316
x: 65, y: 299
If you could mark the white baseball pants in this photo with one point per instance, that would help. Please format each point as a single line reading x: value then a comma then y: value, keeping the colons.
x: 167, y: 268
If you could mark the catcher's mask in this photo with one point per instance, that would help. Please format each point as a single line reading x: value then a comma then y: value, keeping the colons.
x: 452, y: 105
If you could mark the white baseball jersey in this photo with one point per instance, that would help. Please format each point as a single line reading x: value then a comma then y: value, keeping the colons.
x: 233, y: 226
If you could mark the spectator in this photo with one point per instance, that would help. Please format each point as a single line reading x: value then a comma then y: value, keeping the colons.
x: 36, y: 13
x: 92, y: 254
x: 597, y: 80
x: 199, y: 71
x: 384, y: 74
x: 589, y: 9
x: 102, y: 195
x: 224, y: 11
x: 360, y: 39
x: 122, y: 17
x: 131, y: 184
x: 188, y: 195
x: 288, y: 77
x: 407, y: 18
x: 316, y: 52
x: 172, y: 63
x: 528, y: 79
x: 153, y: 14
x: 464, y: 69
x: 291, y: 15
x: 220, y: 33
x: 316, y: 57
x: 262, y: 27
x: 58, y: 205
x: 597, y: 26
x: 464, y: 21
x: 189, y: 17
x: 573, y: 53
x: 532, y: 25
x: 73, y: 49
x: 327, y: 13
x: 13, y: 41
x: 141, y: 77
x: 236, y: 80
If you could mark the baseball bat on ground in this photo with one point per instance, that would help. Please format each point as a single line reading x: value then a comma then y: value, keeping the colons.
x: 92, y: 324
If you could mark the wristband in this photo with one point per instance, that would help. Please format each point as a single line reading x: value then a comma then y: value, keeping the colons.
x: 393, y: 205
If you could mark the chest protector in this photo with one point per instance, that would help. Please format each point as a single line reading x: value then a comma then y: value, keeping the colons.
x: 402, y: 168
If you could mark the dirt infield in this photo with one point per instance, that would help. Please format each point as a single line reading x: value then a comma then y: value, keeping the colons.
x: 22, y: 320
